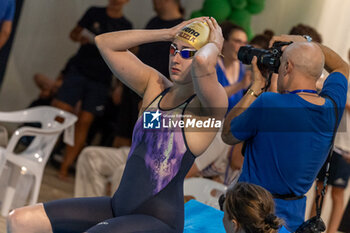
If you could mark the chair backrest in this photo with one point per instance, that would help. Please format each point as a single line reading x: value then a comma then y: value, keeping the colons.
x: 42, y: 114
x: 204, y: 190
x: 53, y: 122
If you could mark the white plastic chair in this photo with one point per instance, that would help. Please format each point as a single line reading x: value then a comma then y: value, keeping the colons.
x: 34, y: 158
x: 3, y: 136
x: 204, y: 190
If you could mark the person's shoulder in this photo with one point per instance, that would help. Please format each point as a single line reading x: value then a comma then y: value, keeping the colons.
x: 176, y: 21
x: 336, y: 87
x: 11, y: 2
x: 157, y: 23
x: 9, y: 10
x: 335, y: 84
x: 96, y: 9
x: 154, y: 19
x: 126, y: 21
x: 151, y: 22
x: 270, y: 96
x: 271, y: 99
x: 336, y: 77
x: 173, y: 22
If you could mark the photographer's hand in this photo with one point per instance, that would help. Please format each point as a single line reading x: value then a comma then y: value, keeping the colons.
x: 287, y: 38
x: 259, y: 82
x: 253, y: 92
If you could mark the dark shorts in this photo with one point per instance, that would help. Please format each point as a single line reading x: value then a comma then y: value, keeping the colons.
x: 96, y: 215
x: 77, y: 86
x: 339, y: 171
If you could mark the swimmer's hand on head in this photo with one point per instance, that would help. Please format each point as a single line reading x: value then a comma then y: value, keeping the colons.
x: 215, y: 36
x: 127, y: 67
x: 210, y: 51
x: 209, y: 91
x: 143, y: 79
x: 173, y: 32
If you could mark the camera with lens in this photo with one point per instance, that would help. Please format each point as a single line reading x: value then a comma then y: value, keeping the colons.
x: 267, y: 59
x: 313, y: 225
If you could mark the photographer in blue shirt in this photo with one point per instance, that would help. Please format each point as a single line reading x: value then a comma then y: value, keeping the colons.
x: 288, y: 134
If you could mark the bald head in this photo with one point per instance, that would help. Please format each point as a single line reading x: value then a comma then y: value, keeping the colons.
x: 306, y: 57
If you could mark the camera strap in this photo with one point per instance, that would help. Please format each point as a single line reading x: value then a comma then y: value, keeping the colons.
x: 319, y: 198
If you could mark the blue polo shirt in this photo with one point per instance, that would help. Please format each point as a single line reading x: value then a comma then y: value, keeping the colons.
x: 7, y: 10
x: 288, y: 139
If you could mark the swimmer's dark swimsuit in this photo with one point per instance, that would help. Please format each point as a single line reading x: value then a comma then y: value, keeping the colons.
x: 150, y: 195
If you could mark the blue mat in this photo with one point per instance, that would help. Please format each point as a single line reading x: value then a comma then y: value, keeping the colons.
x: 200, y: 218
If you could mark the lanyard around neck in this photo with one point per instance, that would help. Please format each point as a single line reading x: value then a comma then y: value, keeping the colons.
x: 302, y: 90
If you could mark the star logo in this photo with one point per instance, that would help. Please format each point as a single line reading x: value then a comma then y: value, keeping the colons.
x: 151, y: 120
x: 156, y: 115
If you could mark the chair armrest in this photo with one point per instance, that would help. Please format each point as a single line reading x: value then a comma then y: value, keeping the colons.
x: 29, y: 131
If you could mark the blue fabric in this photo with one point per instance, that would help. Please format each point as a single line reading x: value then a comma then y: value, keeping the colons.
x: 283, y: 230
x: 293, y: 211
x: 200, y: 218
x: 7, y: 10
x: 235, y: 98
x: 273, y: 158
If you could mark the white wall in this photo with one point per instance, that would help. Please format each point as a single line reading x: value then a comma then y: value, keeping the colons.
x: 42, y: 43
x: 331, y: 18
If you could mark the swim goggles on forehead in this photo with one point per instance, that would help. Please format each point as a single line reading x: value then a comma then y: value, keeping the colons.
x: 184, y: 53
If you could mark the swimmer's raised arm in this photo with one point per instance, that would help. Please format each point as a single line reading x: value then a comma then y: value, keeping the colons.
x: 209, y: 91
x: 126, y: 66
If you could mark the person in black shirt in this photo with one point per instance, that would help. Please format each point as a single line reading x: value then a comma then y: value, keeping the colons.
x: 156, y: 55
x: 88, y: 79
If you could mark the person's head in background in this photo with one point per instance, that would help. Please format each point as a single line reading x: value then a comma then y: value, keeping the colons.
x: 302, y: 29
x: 261, y: 41
x: 168, y: 9
x: 117, y: 4
x: 249, y: 208
x: 235, y: 37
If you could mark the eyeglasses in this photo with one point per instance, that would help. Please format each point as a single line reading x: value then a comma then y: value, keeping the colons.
x: 184, y: 53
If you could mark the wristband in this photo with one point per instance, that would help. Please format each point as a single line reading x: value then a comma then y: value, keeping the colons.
x: 251, y: 92
x: 308, y: 38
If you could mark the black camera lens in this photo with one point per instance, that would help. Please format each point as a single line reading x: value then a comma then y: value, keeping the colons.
x: 267, y: 59
x: 246, y: 54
